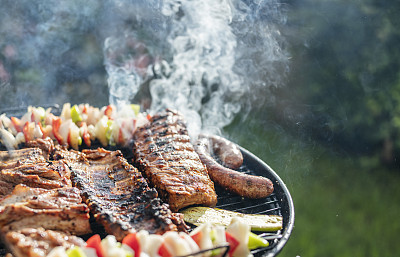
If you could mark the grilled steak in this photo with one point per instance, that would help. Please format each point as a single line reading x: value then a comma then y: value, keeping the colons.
x: 117, y: 194
x: 31, y: 166
x: 163, y: 151
x: 46, y: 145
x: 32, y: 242
x: 46, y: 174
x: 59, y: 209
x: 36, y: 151
x: 21, y: 157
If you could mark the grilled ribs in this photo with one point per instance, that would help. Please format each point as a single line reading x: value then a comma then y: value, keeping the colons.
x: 59, y: 209
x: 163, y: 151
x: 117, y: 194
x: 38, y: 242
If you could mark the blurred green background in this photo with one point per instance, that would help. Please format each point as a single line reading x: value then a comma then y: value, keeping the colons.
x: 331, y: 132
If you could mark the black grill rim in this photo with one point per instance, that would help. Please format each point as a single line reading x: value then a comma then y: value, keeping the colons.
x: 283, y: 196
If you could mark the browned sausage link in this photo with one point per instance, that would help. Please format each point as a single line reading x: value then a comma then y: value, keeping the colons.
x: 227, y: 151
x: 234, y: 181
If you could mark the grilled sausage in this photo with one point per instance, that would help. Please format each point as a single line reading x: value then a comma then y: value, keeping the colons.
x: 227, y: 151
x: 234, y: 181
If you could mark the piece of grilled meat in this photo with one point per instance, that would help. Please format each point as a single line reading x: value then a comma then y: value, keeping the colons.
x: 32, y: 167
x: 46, y: 145
x: 38, y: 242
x: 37, y: 151
x: 21, y: 157
x: 58, y: 209
x: 163, y: 151
x: 117, y: 194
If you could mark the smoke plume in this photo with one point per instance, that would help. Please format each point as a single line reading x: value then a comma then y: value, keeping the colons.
x: 209, y: 59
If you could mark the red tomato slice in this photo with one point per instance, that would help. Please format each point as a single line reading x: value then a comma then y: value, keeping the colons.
x: 25, y: 129
x: 233, y: 243
x: 56, y: 127
x: 108, y: 111
x: 132, y: 241
x: 95, y: 243
x: 120, y: 136
x: 42, y: 130
x: 86, y: 135
x: 17, y: 124
x: 197, y: 237
x: 163, y: 251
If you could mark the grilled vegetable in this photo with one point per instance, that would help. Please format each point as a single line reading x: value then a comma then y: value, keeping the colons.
x: 75, y: 114
x: 76, y: 124
x: 76, y: 252
x: 7, y: 139
x: 132, y: 241
x: 94, y: 242
x: 256, y: 242
x: 238, y: 236
x: 257, y: 222
x: 206, y: 236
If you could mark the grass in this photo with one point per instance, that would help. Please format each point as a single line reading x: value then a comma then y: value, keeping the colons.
x: 343, y: 207
x: 344, y: 211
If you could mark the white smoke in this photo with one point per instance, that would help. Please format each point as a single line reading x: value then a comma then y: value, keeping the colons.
x: 209, y: 59
x: 203, y: 50
x: 216, y: 53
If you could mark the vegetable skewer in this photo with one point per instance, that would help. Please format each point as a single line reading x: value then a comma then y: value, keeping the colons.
x: 205, y: 240
x: 76, y: 125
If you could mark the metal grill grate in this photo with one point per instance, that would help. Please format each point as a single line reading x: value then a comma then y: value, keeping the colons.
x: 278, y: 203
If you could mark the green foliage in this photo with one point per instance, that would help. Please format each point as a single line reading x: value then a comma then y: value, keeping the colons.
x: 344, y: 206
x: 346, y: 68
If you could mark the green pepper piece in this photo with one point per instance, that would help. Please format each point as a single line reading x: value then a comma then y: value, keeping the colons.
x: 135, y: 108
x: 256, y: 241
x: 76, y: 252
x: 75, y: 114
x: 213, y: 237
x: 109, y: 129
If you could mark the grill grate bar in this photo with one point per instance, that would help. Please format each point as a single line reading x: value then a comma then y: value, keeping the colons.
x: 269, y: 210
x: 255, y: 207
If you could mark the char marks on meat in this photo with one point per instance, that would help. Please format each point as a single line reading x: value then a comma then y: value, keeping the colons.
x: 31, y: 166
x: 38, y: 242
x: 117, y: 194
x: 58, y: 209
x: 37, y: 198
x: 46, y: 145
x: 163, y: 151
x: 10, y: 160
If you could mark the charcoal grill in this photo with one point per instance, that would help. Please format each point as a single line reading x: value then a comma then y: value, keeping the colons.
x: 278, y: 203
